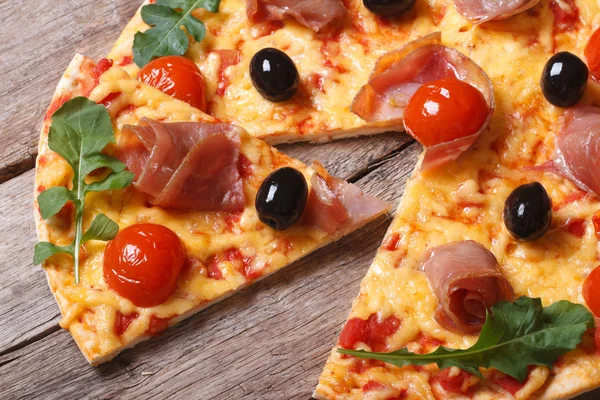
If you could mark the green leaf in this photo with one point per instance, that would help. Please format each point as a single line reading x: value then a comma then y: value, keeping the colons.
x: 513, y: 336
x: 115, y: 180
x: 52, y: 200
x: 43, y: 250
x: 80, y: 131
x: 166, y: 36
x: 101, y: 228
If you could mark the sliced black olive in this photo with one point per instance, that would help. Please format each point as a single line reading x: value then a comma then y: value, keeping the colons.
x: 564, y: 79
x: 274, y: 75
x: 281, y: 198
x: 388, y: 8
x: 528, y: 212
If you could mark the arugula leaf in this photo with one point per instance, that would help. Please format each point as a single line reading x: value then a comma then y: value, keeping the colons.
x: 101, y: 228
x: 166, y: 36
x: 52, y: 200
x: 80, y: 130
x: 513, y: 336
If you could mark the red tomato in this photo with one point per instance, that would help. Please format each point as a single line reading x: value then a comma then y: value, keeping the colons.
x: 178, y: 77
x: 591, y: 291
x: 445, y: 110
x: 369, y: 331
x: 592, y: 55
x: 142, y: 263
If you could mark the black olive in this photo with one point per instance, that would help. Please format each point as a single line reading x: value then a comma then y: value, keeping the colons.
x: 281, y: 198
x: 388, y: 8
x: 274, y: 75
x: 528, y: 212
x: 564, y: 79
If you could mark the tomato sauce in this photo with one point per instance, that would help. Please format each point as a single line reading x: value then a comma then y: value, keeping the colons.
x: 462, y: 383
x: 228, y: 58
x: 157, y: 325
x: 575, y: 226
x: 100, y: 68
x: 122, y: 322
x: 371, y: 331
x: 244, y: 166
x: 507, y: 382
x: 596, y: 222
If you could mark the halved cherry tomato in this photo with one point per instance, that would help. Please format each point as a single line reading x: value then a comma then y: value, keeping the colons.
x: 142, y: 263
x: 591, y: 291
x: 178, y: 77
x: 592, y: 55
x: 444, y: 110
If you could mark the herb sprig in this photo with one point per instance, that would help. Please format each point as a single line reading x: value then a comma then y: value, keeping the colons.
x: 166, y: 36
x: 80, y: 130
x: 513, y: 336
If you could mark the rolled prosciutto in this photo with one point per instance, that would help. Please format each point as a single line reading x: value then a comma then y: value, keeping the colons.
x: 335, y: 205
x: 397, y: 76
x: 478, y: 11
x: 185, y: 165
x: 578, y: 147
x: 465, y: 278
x: 313, y: 14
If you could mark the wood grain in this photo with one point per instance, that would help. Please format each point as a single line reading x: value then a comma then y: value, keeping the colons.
x: 269, y: 341
x: 39, y: 38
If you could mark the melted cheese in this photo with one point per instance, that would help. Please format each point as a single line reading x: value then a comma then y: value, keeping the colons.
x: 90, y: 308
x: 465, y: 199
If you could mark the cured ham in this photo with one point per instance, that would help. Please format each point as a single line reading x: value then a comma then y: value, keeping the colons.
x: 465, y: 278
x: 397, y: 76
x: 337, y: 206
x: 478, y: 11
x: 186, y: 165
x: 313, y: 14
x: 578, y: 147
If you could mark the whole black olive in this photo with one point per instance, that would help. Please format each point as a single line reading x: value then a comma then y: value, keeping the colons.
x: 274, y: 75
x: 528, y: 212
x: 388, y: 8
x: 281, y: 198
x: 564, y: 79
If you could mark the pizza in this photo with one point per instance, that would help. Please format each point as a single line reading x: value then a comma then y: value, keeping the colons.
x: 485, y: 285
x: 517, y: 214
x: 212, y: 209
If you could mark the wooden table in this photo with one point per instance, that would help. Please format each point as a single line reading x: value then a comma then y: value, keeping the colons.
x: 268, y: 342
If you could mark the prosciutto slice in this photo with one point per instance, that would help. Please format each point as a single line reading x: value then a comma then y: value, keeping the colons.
x: 465, y: 278
x: 397, y: 76
x: 578, y: 147
x: 186, y: 165
x: 337, y: 206
x: 478, y: 11
x: 313, y: 14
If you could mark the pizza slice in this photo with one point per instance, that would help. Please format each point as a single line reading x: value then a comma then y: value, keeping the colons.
x: 320, y: 54
x: 211, y: 209
x: 483, y: 285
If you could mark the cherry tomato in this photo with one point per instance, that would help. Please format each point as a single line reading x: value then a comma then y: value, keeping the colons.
x: 142, y: 263
x: 591, y: 291
x: 178, y: 77
x: 445, y: 110
x: 592, y: 55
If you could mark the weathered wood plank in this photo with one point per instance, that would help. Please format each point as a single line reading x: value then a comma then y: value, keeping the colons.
x: 20, y: 322
x: 269, y: 341
x: 22, y: 286
x: 39, y: 39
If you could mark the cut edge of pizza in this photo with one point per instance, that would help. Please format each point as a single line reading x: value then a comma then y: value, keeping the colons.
x: 224, y: 251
